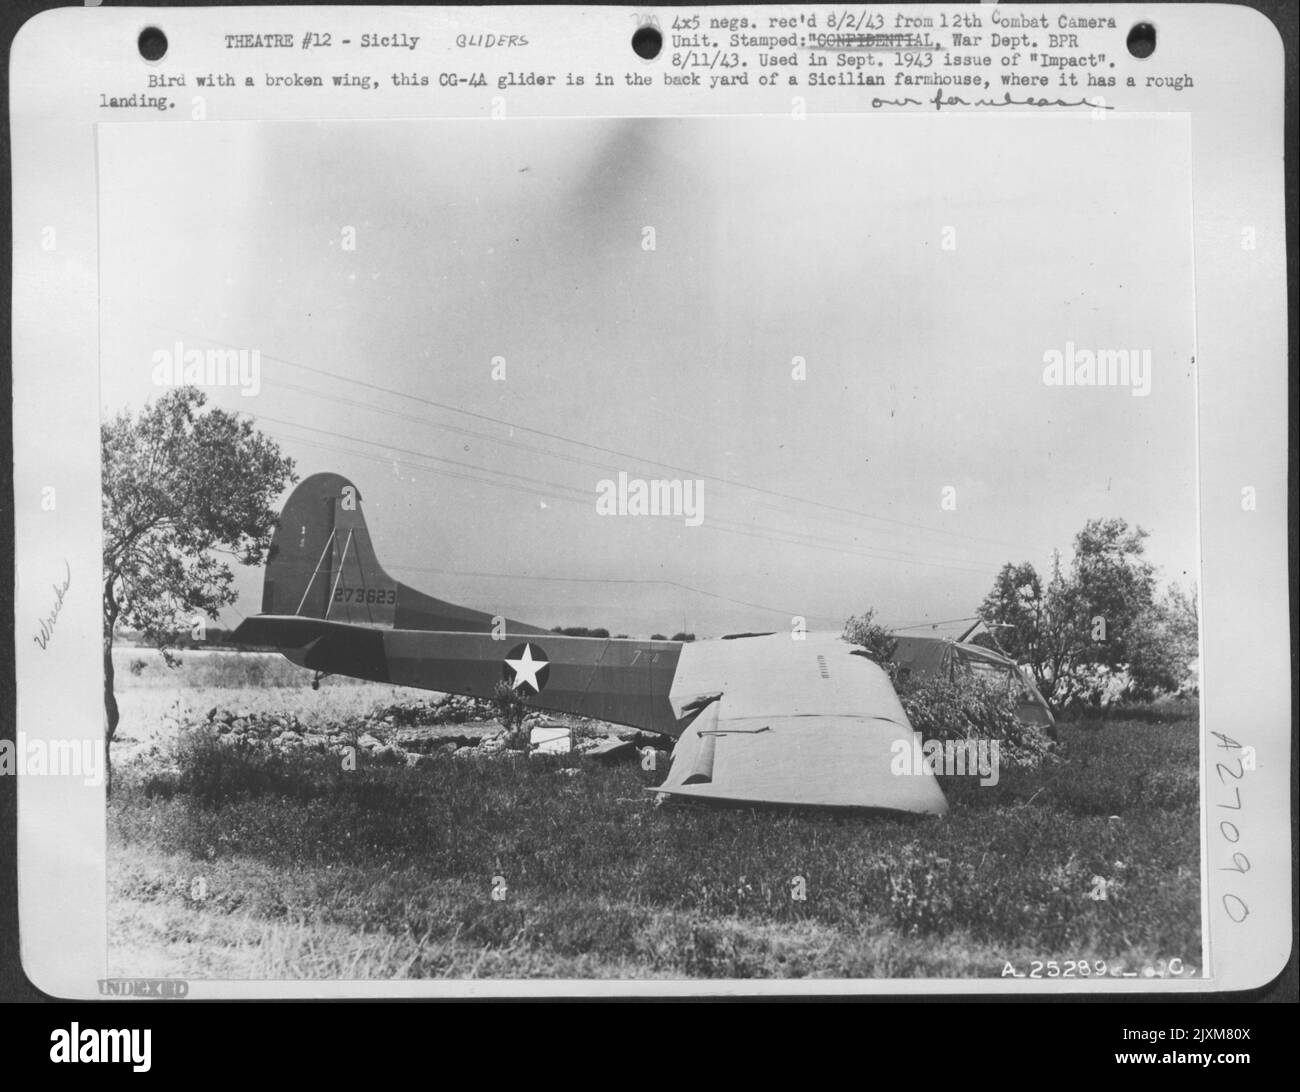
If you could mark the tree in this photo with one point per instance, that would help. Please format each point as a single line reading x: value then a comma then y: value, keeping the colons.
x: 1164, y: 644
x: 1062, y: 645
x: 864, y: 631
x: 180, y: 488
x: 1016, y: 603
x: 1114, y: 586
x: 1082, y: 627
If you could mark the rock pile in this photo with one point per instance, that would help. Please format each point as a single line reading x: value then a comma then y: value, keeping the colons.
x: 415, y: 734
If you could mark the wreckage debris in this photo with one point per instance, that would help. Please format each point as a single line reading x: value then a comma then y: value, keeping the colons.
x: 420, y: 734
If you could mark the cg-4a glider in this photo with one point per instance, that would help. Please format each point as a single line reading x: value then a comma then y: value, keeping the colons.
x: 761, y: 720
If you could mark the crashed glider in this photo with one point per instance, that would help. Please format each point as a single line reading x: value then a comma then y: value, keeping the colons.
x: 939, y: 657
x: 763, y: 720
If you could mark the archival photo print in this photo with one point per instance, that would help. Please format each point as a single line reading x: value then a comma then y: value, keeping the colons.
x: 649, y: 548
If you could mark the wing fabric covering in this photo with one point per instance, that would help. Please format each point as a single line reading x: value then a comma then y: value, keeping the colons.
x: 831, y: 762
x: 800, y: 723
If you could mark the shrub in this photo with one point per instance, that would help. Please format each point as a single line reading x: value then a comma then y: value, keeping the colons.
x: 456, y: 710
x: 512, y: 710
x: 968, y: 706
x: 213, y: 770
x: 864, y: 631
x: 582, y: 631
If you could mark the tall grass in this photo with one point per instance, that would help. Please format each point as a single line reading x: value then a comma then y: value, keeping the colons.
x: 144, y: 668
x: 599, y: 881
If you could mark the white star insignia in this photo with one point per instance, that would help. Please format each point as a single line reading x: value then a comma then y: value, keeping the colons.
x: 526, y: 669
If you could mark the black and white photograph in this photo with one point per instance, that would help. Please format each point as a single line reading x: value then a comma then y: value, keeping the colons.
x: 650, y: 548
x: 603, y: 534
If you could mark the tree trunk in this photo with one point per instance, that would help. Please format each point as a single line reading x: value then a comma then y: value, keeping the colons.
x: 111, y: 714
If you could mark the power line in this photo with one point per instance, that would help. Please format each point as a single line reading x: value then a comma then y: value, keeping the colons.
x: 661, y: 582
x: 689, y: 472
x: 726, y: 526
x: 379, y: 388
x: 962, y: 562
x: 555, y: 579
x: 931, y: 625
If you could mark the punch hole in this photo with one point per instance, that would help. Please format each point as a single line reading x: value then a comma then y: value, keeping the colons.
x: 647, y: 42
x: 1142, y: 40
x: 152, y: 44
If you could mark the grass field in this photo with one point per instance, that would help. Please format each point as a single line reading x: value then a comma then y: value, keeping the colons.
x: 288, y: 866
x: 154, y: 699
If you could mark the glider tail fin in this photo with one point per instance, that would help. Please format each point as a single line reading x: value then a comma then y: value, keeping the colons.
x: 322, y: 563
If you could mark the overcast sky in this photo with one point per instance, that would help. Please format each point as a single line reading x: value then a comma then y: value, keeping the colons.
x: 774, y: 239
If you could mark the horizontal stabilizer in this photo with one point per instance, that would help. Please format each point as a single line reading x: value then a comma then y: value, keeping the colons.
x: 332, y: 648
